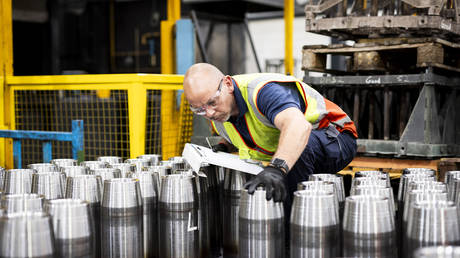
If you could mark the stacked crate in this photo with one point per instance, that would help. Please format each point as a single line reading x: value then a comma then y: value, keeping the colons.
x: 395, y: 69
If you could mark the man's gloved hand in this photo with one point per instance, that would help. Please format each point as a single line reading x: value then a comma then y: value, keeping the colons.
x: 274, y: 181
x: 220, y: 147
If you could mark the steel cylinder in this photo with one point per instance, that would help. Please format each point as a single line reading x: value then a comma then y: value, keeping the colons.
x: 74, y: 170
x: 233, y: 184
x: 140, y: 164
x: 374, y: 174
x: 18, y: 181
x: 316, y: 185
x: 153, y: 158
x: 438, y: 252
x: 261, y: 226
x: 14, y: 203
x: 49, y: 184
x: 161, y: 170
x: 322, y: 186
x: 454, y: 189
x: 73, y: 227
x: 106, y: 173
x: 336, y: 179
x: 314, y: 225
x: 165, y: 163
x: 202, y: 194
x: 122, y: 220
x: 43, y: 167
x: 110, y: 159
x: 26, y: 234
x: 178, y: 163
x: 426, y: 185
x: 125, y: 168
x: 88, y: 188
x: 214, y: 209
x: 368, y: 227
x: 64, y: 162
x: 376, y: 190
x: 431, y: 223
x: 179, y: 229
x: 339, y: 188
x: 450, y: 179
x: 371, y: 173
x: 404, y: 181
x: 420, y: 171
x: 94, y: 164
x: 122, y: 236
x: 416, y: 196
x: 148, y: 182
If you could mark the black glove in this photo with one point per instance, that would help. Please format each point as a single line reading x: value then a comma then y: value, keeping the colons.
x: 219, y: 147
x: 274, y: 181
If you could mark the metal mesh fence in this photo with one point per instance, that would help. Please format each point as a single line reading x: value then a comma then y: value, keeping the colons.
x: 186, y: 123
x: 153, y: 125
x: 106, y: 121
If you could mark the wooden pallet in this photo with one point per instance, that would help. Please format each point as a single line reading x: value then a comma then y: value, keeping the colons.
x: 385, y: 55
x: 448, y: 164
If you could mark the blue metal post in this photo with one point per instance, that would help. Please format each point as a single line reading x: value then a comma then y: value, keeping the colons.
x: 76, y: 137
x: 77, y: 140
x: 185, y: 45
x: 17, y: 157
x: 185, y: 50
x: 47, y: 151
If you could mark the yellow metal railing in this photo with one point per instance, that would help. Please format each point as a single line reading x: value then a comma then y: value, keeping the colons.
x: 125, y: 114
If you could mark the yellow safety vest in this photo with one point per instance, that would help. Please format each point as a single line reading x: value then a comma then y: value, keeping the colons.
x: 263, y: 133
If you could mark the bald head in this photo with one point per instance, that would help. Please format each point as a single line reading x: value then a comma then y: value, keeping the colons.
x: 200, y: 82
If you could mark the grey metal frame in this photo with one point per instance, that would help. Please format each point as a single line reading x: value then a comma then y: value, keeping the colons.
x: 422, y: 136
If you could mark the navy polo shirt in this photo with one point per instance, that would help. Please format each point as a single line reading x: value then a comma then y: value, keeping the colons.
x: 271, y: 100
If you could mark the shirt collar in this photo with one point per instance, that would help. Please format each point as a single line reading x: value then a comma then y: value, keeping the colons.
x: 240, y: 102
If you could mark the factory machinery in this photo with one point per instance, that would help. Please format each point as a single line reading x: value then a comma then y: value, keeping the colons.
x: 394, y: 65
x: 146, y: 207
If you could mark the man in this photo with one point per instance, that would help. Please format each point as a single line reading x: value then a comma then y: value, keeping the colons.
x: 273, y: 117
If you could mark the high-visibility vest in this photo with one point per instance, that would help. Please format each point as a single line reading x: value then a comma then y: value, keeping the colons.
x: 320, y: 112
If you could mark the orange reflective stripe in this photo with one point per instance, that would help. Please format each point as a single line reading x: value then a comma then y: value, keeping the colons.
x: 264, y: 151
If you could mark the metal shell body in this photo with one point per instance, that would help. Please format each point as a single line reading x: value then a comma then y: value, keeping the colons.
x: 153, y: 158
x: 368, y: 227
x: 88, y: 188
x: 64, y: 162
x: 233, y: 184
x: 74, y: 170
x: 106, y: 173
x: 122, y: 220
x: 73, y: 227
x: 432, y: 223
x: 125, y: 168
x: 261, y: 226
x: 179, y: 220
x: 13, y: 203
x: 314, y: 224
x: 43, y: 167
x: 49, y: 184
x: 18, y: 181
x: 26, y: 234
x: 148, y: 182
x: 110, y: 159
x: 140, y: 164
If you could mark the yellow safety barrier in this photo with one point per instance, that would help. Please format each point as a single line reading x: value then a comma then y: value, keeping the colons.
x: 124, y: 114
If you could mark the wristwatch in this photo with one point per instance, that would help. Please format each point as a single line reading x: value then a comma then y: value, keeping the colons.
x: 280, y: 164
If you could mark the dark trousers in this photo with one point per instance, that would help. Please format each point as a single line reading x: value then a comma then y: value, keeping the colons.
x: 327, y: 151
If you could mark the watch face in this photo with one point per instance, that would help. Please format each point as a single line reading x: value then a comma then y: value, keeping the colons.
x: 280, y: 163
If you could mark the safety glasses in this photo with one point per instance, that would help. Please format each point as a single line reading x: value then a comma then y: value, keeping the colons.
x: 212, y: 102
